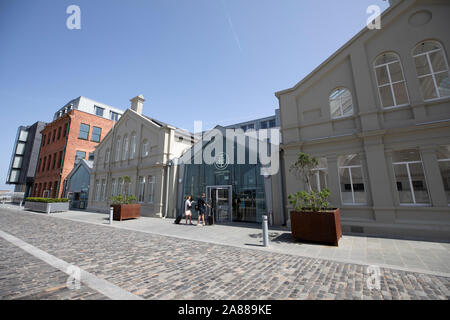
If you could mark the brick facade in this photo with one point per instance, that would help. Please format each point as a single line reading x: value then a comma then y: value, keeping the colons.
x: 58, y: 150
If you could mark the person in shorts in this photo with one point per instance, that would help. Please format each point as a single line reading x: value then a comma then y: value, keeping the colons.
x: 201, y: 203
x: 187, y: 209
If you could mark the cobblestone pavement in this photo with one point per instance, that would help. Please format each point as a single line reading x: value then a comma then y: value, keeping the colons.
x: 160, y: 267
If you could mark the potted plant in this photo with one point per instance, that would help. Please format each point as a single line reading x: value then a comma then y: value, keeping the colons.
x: 312, y: 219
x: 47, y: 205
x: 124, y: 205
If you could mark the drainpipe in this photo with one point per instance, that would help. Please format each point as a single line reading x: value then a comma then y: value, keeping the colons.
x: 63, y: 155
x: 280, y: 180
x: 166, y: 209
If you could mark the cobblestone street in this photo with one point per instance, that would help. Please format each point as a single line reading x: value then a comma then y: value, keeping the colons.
x: 160, y: 267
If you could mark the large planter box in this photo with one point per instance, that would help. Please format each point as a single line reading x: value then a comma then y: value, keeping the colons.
x: 126, y: 211
x: 44, y: 207
x: 324, y: 227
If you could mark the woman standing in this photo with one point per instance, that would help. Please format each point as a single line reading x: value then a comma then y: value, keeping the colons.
x: 187, y: 209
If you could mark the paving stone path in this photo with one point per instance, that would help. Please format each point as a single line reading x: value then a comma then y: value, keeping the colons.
x: 160, y: 267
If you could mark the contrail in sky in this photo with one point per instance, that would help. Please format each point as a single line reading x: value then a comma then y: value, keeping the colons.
x: 236, y: 38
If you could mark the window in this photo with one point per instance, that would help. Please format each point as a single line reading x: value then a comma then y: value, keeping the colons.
x: 133, y: 146
x: 49, y: 162
x: 84, y: 131
x: 43, y: 140
x: 20, y: 149
x: 443, y: 156
x: 272, y: 123
x: 351, y: 180
x: 91, y: 156
x: 432, y: 70
x: 97, y: 190
x: 320, y: 179
x: 114, y: 116
x: 60, y: 159
x: 145, y: 148
x: 410, y: 177
x: 107, y: 153
x: 54, y: 161
x: 23, y: 136
x: 113, y: 187
x: 141, y: 195
x: 103, y: 192
x: 151, y: 188
x: 17, y: 163
x: 96, y: 134
x: 38, y: 168
x: 54, y: 135
x: 117, y: 157
x: 99, y: 111
x: 125, y: 148
x: 14, y: 176
x: 43, y: 164
x: 341, y: 104
x: 79, y: 156
x: 65, y: 130
x: 390, y: 80
x: 48, y: 137
x: 263, y: 124
x: 121, y: 183
x: 59, y: 133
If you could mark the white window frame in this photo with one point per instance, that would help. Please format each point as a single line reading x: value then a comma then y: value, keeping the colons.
x: 351, y: 184
x: 444, y: 160
x: 113, y: 187
x: 125, y: 148
x: 432, y: 74
x: 151, y: 189
x: 133, y: 146
x: 340, y: 104
x: 118, y: 145
x: 390, y: 83
x: 407, y: 163
x: 145, y: 148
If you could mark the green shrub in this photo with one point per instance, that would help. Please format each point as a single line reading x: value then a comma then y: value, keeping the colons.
x: 46, y: 200
x: 123, y: 199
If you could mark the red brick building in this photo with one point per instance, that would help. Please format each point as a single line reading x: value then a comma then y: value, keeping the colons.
x: 65, y: 141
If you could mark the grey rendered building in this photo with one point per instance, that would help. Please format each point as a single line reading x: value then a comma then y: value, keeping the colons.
x: 25, y: 157
x: 377, y: 114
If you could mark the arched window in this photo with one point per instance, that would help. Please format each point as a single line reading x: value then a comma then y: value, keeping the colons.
x: 432, y: 70
x: 145, y: 148
x: 125, y: 148
x: 341, y: 104
x: 107, y: 155
x: 390, y: 80
x: 117, y: 157
x: 133, y: 145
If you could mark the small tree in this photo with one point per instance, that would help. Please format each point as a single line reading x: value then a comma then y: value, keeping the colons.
x: 313, y: 200
x: 124, y: 198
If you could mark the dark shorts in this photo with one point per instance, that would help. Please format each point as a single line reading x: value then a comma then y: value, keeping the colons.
x: 201, y: 213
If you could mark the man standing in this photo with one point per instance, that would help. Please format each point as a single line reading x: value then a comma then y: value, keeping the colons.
x: 201, y: 203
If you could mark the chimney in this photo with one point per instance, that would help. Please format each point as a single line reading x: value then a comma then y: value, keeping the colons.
x: 137, y: 104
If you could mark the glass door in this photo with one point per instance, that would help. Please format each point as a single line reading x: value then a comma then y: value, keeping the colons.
x: 220, y: 199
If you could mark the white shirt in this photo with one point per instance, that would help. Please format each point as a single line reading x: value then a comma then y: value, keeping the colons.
x: 187, y: 205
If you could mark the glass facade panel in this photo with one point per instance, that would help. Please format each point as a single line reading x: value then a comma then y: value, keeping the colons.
x: 20, y: 148
x: 23, y: 136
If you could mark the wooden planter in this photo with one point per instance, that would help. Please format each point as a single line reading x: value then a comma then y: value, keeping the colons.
x: 126, y: 211
x: 317, y: 226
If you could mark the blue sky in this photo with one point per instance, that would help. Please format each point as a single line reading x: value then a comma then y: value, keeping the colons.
x: 219, y: 61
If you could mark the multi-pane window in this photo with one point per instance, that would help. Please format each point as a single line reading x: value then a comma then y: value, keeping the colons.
x: 141, y: 195
x: 117, y: 157
x: 320, y: 178
x: 23, y: 136
x: 107, y: 153
x: 113, y: 187
x: 96, y: 134
x: 410, y: 177
x: 125, y: 148
x: 84, y: 131
x: 14, y: 176
x: 145, y: 148
x: 351, y: 180
x: 99, y: 111
x: 120, y: 190
x: 114, y: 116
x: 391, y: 81
x: 341, y: 104
x: 443, y: 156
x: 133, y: 146
x: 97, y: 190
x: 151, y: 188
x: 79, y: 156
x: 432, y: 70
x: 103, y: 192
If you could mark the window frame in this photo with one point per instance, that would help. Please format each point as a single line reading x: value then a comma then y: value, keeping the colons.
x: 390, y: 83
x: 430, y: 65
x: 93, y: 134
x: 410, y: 182
x: 340, y: 104
x: 351, y: 185
x: 79, y: 133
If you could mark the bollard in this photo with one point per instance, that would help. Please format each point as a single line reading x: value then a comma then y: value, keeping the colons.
x: 49, y: 208
x: 111, y: 212
x: 265, y: 231
x: 20, y: 206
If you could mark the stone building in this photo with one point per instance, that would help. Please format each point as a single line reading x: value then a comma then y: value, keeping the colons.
x: 377, y: 115
x: 141, y: 148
